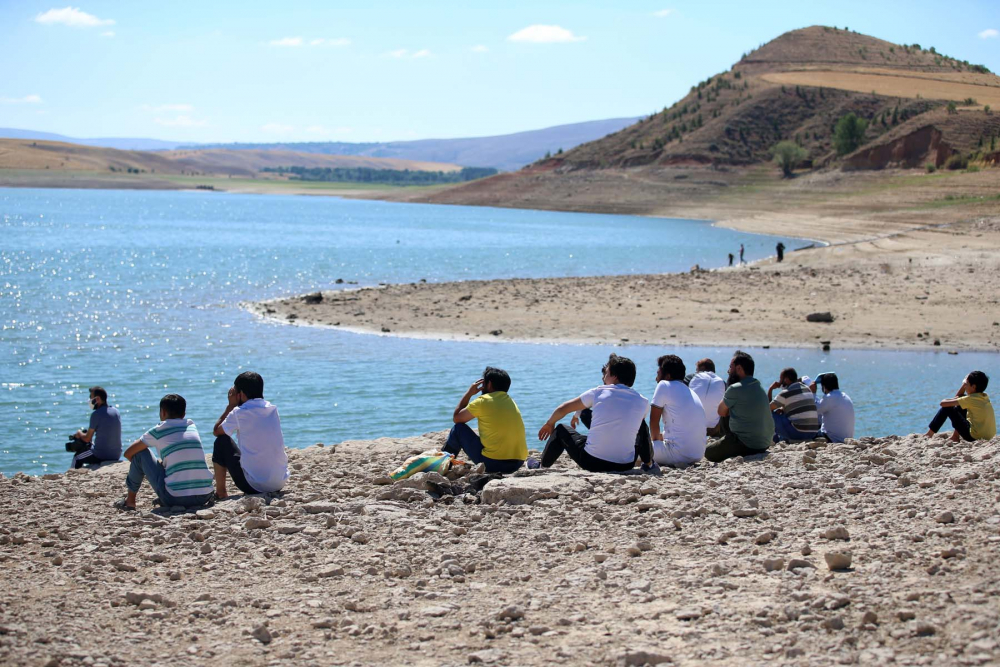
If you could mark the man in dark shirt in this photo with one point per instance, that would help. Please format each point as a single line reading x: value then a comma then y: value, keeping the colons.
x: 102, y: 441
x: 746, y: 423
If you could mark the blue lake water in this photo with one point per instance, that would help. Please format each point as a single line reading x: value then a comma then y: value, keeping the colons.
x: 139, y: 292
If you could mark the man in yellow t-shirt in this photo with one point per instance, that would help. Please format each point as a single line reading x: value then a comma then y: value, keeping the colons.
x: 501, y: 444
x: 970, y: 411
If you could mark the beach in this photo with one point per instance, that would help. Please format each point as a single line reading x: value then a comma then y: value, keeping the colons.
x: 744, y: 562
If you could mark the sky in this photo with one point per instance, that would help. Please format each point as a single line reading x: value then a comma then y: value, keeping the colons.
x: 378, y: 71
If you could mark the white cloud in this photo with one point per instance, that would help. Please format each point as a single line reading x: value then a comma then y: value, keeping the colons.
x: 545, y: 34
x: 276, y: 128
x: 479, y: 48
x: 422, y: 53
x: 323, y: 131
x: 989, y: 33
x: 180, y: 121
x: 27, y: 99
x: 109, y: 33
x: 663, y: 13
x: 287, y: 41
x: 405, y: 53
x: 160, y: 108
x: 71, y: 16
x: 398, y: 53
x: 335, y: 42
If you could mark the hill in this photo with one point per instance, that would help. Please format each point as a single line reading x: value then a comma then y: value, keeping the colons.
x: 121, y: 143
x: 921, y: 106
x: 505, y: 152
x: 24, y: 154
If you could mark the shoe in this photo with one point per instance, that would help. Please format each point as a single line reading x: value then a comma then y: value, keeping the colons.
x: 652, y: 469
x: 122, y: 507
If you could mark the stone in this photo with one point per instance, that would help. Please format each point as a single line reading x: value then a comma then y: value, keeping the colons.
x: 869, y: 618
x: 772, y: 564
x: 486, y: 655
x: 838, y: 533
x: 838, y: 560
x: 820, y: 317
x: 925, y: 630
x: 764, y: 537
x: 687, y: 614
x: 945, y: 517
x: 262, y: 634
x: 529, y: 489
x: 320, y: 507
x: 834, y: 623
x: 257, y: 523
x: 435, y: 612
x: 204, y: 515
x: 290, y: 529
x: 510, y: 613
x: 638, y: 658
x: 798, y: 563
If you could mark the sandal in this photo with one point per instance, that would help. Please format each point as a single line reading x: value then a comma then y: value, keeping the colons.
x: 122, y: 507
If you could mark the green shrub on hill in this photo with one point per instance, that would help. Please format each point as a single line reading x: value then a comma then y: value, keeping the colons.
x: 788, y: 155
x: 849, y: 134
x: 956, y: 161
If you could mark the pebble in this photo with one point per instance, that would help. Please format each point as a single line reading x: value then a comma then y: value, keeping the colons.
x: 772, y: 564
x: 764, y: 537
x: 257, y: 523
x: 262, y: 634
x: 797, y: 563
x: 204, y: 515
x: 838, y: 560
x: 945, y: 517
x: 838, y: 533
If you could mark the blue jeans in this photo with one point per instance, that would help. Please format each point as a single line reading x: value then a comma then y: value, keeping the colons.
x: 145, y: 466
x: 463, y: 438
x: 783, y: 429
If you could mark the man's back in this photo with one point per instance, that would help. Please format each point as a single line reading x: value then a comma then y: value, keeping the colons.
x: 107, y: 424
x: 262, y: 446
x: 750, y: 413
x: 836, y: 410
x: 799, y: 405
x: 683, y: 417
x: 179, y: 445
x: 710, y: 389
x: 618, y: 411
x: 501, y: 427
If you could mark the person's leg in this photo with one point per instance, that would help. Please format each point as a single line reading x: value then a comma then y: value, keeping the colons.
x: 145, y: 466
x: 502, y: 466
x: 463, y: 439
x: 86, y: 457
x: 727, y: 447
x: 591, y: 463
x: 562, y: 439
x: 960, y: 422
x: 644, y: 444
x: 226, y: 458
x: 785, y: 430
x: 714, y: 431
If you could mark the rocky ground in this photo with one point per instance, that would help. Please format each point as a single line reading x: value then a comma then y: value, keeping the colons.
x: 876, y: 551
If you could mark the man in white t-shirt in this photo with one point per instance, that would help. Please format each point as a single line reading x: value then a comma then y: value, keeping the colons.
x: 710, y: 389
x: 258, y: 464
x: 683, y: 439
x: 617, y: 430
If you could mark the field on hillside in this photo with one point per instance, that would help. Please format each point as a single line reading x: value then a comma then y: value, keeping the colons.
x: 891, y: 84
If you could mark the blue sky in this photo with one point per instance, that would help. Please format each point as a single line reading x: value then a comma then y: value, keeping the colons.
x: 375, y: 70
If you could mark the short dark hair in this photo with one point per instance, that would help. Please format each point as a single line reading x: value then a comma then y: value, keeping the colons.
x: 174, y: 405
x: 622, y: 368
x: 789, y: 374
x: 705, y: 364
x: 100, y: 393
x: 672, y: 365
x: 829, y: 382
x: 979, y: 380
x: 251, y: 384
x: 497, y: 377
x: 744, y: 361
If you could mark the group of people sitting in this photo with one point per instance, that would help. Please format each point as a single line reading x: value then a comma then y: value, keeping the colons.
x: 690, y: 417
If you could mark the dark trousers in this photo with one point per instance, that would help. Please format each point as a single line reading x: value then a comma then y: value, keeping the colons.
x: 226, y: 454
x: 566, y: 439
x: 958, y: 418
x: 84, y: 453
x: 463, y: 438
x: 729, y: 446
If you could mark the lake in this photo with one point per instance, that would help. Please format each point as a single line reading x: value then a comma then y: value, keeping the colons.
x: 139, y: 292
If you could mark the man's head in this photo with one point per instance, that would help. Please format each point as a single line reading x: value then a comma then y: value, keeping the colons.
x: 495, y: 379
x: 788, y: 377
x: 978, y: 380
x: 829, y: 382
x: 619, y: 370
x: 250, y: 385
x: 741, y: 367
x: 173, y: 406
x: 670, y: 368
x: 705, y: 365
x: 98, y: 397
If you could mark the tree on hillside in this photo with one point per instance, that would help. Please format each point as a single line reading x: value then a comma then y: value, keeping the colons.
x: 788, y: 155
x: 849, y: 134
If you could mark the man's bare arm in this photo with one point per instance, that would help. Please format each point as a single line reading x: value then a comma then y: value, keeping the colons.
x: 559, y: 413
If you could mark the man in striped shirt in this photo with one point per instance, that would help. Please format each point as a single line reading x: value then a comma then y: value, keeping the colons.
x: 794, y: 409
x: 182, y: 476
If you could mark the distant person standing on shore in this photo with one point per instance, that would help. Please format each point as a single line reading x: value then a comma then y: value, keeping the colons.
x: 970, y: 411
x: 615, y: 415
x: 501, y: 444
x: 731, y: 258
x: 781, y: 251
x: 742, y: 261
x: 102, y: 441
x: 256, y: 460
x: 746, y: 424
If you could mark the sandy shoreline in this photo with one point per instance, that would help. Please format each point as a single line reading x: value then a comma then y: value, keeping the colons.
x: 723, y: 563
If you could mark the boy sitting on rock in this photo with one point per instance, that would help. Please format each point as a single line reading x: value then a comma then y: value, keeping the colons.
x: 970, y: 411
x: 181, y: 477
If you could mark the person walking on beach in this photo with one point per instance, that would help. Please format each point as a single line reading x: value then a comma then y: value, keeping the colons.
x: 614, y: 415
x: 731, y: 257
x: 682, y: 440
x: 835, y: 408
x: 970, y: 411
x: 258, y: 464
x: 742, y: 261
x: 794, y: 408
x: 709, y: 388
x: 501, y: 445
x: 781, y: 251
x: 746, y: 424
x: 181, y: 476
x: 102, y: 441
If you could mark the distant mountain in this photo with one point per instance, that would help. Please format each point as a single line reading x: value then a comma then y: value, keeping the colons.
x: 506, y: 152
x: 121, y: 143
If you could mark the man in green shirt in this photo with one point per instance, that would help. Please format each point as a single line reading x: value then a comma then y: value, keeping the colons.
x: 501, y: 444
x: 746, y: 422
x: 970, y: 411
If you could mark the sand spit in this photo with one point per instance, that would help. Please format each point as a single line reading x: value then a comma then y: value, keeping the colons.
x: 932, y: 288
x: 876, y: 551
